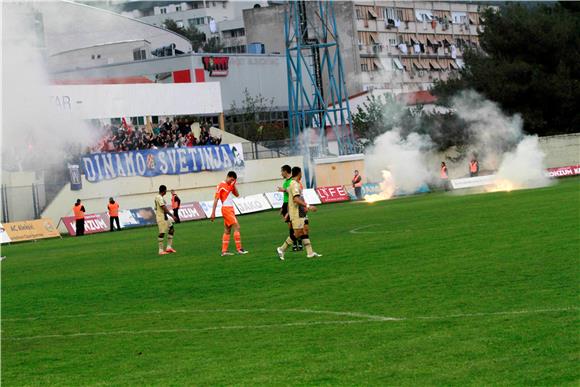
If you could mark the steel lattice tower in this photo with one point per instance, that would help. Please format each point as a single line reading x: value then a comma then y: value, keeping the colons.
x: 313, y: 60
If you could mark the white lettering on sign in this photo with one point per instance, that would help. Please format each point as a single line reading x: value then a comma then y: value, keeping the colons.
x: 62, y: 102
x: 95, y: 224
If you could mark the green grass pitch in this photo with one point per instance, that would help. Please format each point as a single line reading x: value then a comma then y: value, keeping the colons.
x: 439, y: 289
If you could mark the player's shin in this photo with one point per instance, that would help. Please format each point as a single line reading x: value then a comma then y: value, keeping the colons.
x: 160, y: 241
x: 238, y: 240
x: 287, y: 243
x: 170, y: 240
x: 307, y: 244
x: 225, y: 242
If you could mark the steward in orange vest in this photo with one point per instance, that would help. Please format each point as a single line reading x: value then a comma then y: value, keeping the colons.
x: 113, y: 209
x: 473, y: 168
x: 79, y: 211
x: 175, y: 204
x: 357, y: 184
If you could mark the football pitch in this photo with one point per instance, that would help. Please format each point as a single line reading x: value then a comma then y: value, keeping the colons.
x: 438, y: 289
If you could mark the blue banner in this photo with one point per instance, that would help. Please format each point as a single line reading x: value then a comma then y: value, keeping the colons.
x: 76, y: 182
x: 166, y: 161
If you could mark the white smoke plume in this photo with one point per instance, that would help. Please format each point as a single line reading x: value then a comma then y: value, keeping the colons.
x: 524, y: 167
x: 35, y: 135
x: 495, y: 139
x: 403, y: 158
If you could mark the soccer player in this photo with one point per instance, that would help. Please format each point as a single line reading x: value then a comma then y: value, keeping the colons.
x: 226, y: 190
x: 164, y: 222
x: 297, y: 209
x: 286, y: 172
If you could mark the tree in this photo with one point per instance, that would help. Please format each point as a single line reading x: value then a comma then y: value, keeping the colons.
x: 528, y: 64
x: 377, y: 115
x: 197, y: 38
x: 382, y: 113
x: 249, y: 121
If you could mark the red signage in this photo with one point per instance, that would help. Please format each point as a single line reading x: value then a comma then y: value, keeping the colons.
x: 217, y: 66
x: 571, y: 170
x: 93, y: 223
x: 332, y: 194
x: 191, y: 211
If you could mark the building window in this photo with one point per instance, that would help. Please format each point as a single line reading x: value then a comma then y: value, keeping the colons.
x: 139, y: 54
x: 163, y: 11
x: 235, y: 33
x: 359, y: 13
x: 98, y: 56
x: 392, y: 42
x: 196, y: 21
x: 364, y: 67
x: 178, y: 8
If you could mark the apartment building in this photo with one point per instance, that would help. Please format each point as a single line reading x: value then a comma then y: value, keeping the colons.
x: 406, y: 46
x: 221, y: 19
x: 400, y: 46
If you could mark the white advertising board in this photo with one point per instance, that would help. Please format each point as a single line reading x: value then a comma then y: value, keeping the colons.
x: 470, y: 182
x: 252, y: 203
x: 276, y: 199
x: 4, y: 238
x: 310, y: 196
x: 207, y: 206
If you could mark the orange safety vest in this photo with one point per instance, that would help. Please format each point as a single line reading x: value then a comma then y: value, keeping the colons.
x: 444, y: 172
x: 359, y: 184
x: 174, y: 203
x: 79, y: 214
x: 113, y: 209
x: 473, y: 166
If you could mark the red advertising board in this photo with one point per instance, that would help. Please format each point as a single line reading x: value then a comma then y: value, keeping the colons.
x: 571, y: 170
x: 93, y: 223
x: 332, y: 194
x: 191, y: 211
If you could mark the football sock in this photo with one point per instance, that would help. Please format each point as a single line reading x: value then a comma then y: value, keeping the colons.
x: 308, y: 246
x: 225, y: 242
x: 169, y: 241
x: 287, y: 243
x: 160, y: 240
x: 292, y: 236
x: 238, y: 240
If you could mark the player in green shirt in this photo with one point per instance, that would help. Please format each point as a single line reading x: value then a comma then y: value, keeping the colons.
x: 286, y: 173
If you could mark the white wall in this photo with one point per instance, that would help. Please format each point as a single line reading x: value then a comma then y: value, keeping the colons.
x: 134, y: 192
x: 69, y: 25
x: 99, y: 55
x: 137, y: 100
x: 562, y: 150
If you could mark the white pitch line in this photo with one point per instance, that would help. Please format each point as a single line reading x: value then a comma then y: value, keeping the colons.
x: 203, y: 311
x: 367, y: 319
x: 357, y: 230
x: 186, y: 330
x: 505, y: 313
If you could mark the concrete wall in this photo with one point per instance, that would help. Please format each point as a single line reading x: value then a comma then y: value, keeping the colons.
x: 99, y: 55
x: 561, y: 150
x: 266, y: 25
x: 19, y: 195
x: 339, y: 170
x: 135, y: 192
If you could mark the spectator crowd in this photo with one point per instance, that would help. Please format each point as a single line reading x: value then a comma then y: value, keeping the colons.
x: 169, y: 134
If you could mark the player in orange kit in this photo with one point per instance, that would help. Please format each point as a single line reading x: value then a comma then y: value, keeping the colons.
x: 226, y: 190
